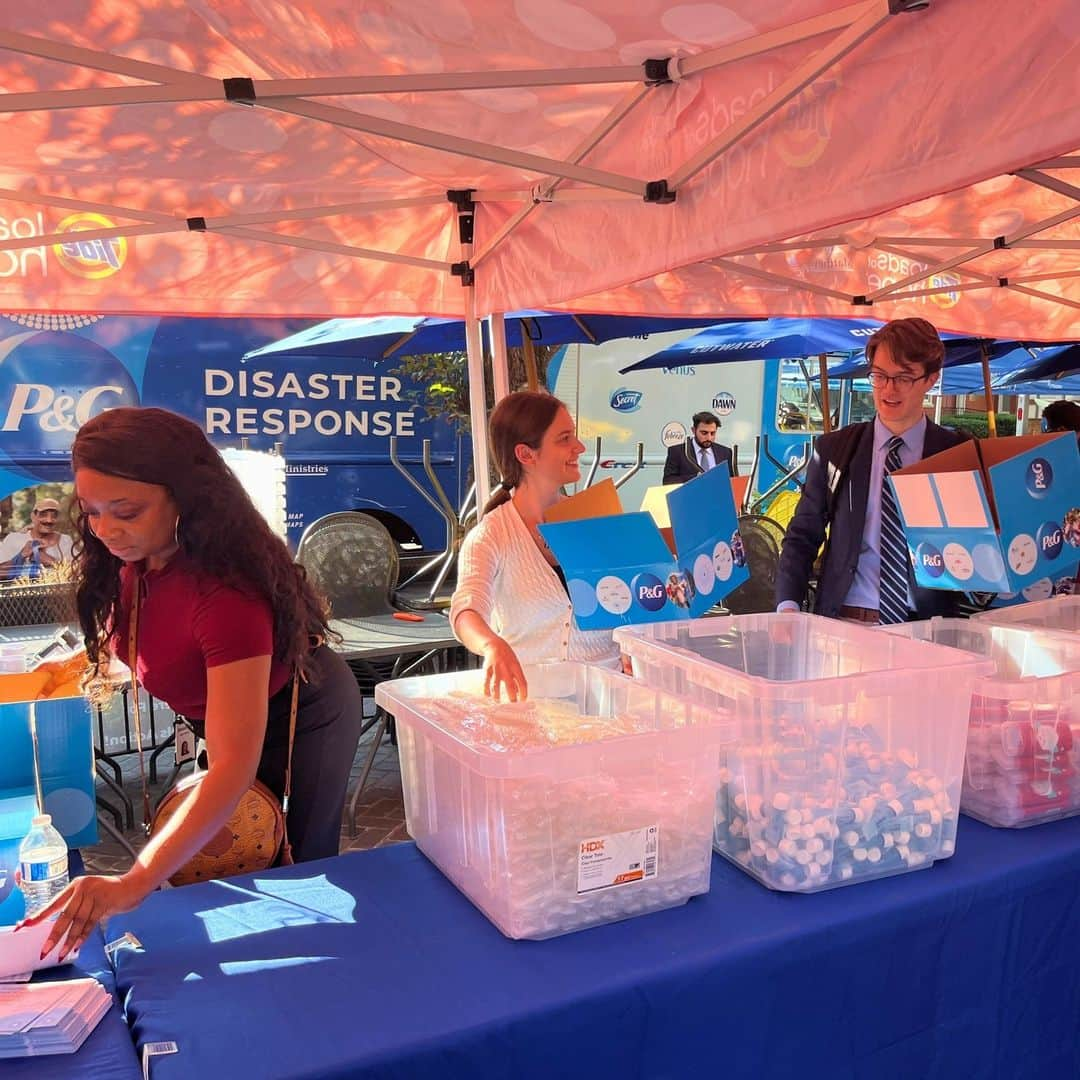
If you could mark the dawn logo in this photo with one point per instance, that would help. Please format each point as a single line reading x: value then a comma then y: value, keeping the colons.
x: 1039, y: 478
x: 1050, y: 539
x: 930, y: 560
x: 649, y: 592
x: 625, y: 400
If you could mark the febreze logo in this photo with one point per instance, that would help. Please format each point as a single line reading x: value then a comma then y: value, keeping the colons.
x: 930, y: 559
x: 649, y: 592
x: 92, y: 259
x: 1039, y: 478
x: 624, y: 400
x: 1050, y: 539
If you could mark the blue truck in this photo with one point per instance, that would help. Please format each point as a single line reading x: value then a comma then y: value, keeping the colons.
x: 330, y: 418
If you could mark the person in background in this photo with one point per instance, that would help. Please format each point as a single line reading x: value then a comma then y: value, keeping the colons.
x: 1061, y: 416
x: 699, y: 453
x: 866, y: 574
x: 225, y: 619
x: 511, y: 605
x: 41, y: 547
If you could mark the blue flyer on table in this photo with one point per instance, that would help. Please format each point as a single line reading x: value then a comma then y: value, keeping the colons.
x: 619, y: 569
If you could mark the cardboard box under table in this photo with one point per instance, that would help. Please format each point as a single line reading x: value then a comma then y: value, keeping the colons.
x: 993, y: 515
x: 619, y: 568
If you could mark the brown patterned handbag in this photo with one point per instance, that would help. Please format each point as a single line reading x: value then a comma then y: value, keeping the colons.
x: 256, y: 835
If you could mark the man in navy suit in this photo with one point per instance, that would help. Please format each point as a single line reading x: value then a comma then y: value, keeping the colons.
x: 698, y: 453
x: 861, y: 577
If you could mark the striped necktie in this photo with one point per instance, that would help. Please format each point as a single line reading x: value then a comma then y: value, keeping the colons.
x: 893, y: 601
x: 704, y: 460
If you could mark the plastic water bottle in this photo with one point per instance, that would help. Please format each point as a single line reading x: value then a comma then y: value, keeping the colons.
x: 43, y: 864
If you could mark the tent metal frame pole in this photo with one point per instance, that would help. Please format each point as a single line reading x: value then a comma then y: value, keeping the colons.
x: 37, y: 198
x: 615, y: 116
x: 875, y: 14
x: 455, y: 144
x: 500, y: 367
x: 991, y: 416
x: 334, y: 249
x: 121, y: 231
x: 477, y: 402
x: 983, y: 248
x: 98, y: 60
x: 808, y: 244
x: 780, y: 279
x: 1062, y: 187
x: 168, y: 90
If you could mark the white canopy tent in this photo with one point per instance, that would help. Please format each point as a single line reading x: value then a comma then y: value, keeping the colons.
x: 467, y: 157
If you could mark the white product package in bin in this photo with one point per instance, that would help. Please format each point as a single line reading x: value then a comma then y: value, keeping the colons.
x: 849, y: 750
x: 1023, y: 741
x: 590, y: 802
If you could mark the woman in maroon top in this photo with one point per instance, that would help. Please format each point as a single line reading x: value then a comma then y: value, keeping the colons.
x: 226, y: 616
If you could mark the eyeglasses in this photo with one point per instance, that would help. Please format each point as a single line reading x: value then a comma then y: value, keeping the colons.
x: 902, y: 382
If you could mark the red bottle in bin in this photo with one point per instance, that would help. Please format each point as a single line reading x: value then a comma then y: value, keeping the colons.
x: 1020, y: 758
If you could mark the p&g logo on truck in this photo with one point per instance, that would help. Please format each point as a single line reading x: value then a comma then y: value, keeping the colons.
x: 50, y: 385
x: 626, y: 401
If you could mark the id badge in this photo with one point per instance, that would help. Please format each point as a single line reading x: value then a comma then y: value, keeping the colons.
x: 184, y: 738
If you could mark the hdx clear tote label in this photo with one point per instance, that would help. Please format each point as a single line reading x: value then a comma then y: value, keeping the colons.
x: 605, y: 862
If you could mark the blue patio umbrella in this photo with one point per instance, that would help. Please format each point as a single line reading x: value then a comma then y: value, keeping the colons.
x: 766, y: 339
x: 1047, y: 364
x: 392, y: 337
x: 967, y: 378
x: 1006, y: 357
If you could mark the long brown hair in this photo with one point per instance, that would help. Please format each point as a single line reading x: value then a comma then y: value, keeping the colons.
x: 155, y: 446
x: 521, y: 417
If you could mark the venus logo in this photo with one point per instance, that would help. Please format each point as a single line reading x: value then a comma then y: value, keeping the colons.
x: 649, y: 592
x: 1039, y: 478
x: 1050, y: 539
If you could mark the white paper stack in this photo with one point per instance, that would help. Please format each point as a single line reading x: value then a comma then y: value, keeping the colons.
x: 49, y: 1017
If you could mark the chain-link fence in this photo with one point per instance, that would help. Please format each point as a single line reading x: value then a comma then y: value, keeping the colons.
x: 38, y: 603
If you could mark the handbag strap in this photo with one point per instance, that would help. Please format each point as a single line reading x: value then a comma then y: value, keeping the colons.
x: 133, y: 642
x: 133, y: 652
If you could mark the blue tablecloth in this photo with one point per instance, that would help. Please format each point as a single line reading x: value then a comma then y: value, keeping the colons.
x: 373, y: 965
x: 108, y: 1053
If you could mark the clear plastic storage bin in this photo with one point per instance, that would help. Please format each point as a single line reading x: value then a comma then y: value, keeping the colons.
x: 1023, y: 743
x: 850, y: 744
x: 1060, y: 613
x: 588, y: 803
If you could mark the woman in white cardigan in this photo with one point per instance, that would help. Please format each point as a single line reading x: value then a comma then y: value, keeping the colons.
x: 511, y: 606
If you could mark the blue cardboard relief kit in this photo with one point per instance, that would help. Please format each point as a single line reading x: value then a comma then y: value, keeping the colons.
x: 619, y: 568
x: 994, y: 515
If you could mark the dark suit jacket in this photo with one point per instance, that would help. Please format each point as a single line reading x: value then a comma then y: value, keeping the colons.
x: 807, y: 529
x: 682, y: 465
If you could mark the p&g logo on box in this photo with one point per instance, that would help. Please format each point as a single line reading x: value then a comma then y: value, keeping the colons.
x: 1039, y: 478
x: 1050, y: 539
x: 624, y: 400
x: 929, y: 558
x: 649, y: 592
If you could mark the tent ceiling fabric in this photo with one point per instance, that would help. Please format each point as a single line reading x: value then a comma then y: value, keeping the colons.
x: 878, y: 127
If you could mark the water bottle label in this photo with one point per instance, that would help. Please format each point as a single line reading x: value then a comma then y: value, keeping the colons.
x: 44, y: 871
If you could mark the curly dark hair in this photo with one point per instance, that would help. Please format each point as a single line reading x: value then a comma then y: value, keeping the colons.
x: 155, y: 446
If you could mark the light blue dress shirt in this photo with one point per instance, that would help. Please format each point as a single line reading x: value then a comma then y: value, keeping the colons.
x: 865, y: 591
